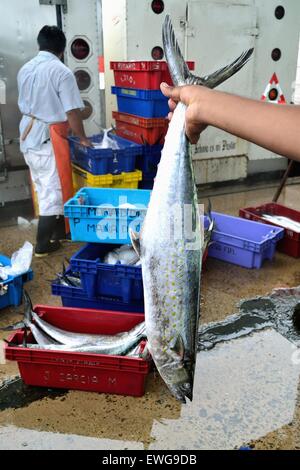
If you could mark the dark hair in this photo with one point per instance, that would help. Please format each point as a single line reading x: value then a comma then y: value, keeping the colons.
x: 52, y: 39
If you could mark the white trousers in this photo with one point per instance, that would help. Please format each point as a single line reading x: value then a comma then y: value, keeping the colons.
x: 46, y: 180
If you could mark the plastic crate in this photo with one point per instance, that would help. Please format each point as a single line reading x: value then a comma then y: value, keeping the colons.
x: 102, y: 161
x: 144, y: 131
x: 102, y: 279
x: 81, y: 371
x: 290, y: 244
x: 82, y: 178
x: 242, y: 242
x: 147, y: 182
x: 149, y: 160
x: 102, y: 215
x: 78, y: 298
x: 146, y: 75
x: 144, y: 103
x: 11, y: 290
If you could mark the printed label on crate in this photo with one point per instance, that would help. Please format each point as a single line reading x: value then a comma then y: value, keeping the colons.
x: 225, y: 248
x: 126, y: 91
x: 78, y: 378
x: 126, y: 78
x: 105, y: 211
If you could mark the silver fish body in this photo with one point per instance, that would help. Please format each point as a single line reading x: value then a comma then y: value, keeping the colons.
x: 283, y: 221
x: 118, y: 344
x: 171, y: 242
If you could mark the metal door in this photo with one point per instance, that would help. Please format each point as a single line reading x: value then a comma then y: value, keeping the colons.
x: 216, y: 33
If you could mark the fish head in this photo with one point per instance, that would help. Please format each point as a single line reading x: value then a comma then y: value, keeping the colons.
x: 176, y: 366
x: 179, y: 377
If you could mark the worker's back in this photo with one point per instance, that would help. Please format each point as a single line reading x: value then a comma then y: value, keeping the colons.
x: 47, y: 90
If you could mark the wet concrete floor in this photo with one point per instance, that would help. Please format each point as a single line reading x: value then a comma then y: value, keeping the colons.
x: 246, y: 391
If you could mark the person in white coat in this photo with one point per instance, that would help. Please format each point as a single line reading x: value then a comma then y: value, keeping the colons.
x: 51, y: 105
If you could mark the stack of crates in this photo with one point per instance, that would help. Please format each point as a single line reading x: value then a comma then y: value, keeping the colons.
x: 142, y: 110
x: 105, y: 167
x: 102, y: 217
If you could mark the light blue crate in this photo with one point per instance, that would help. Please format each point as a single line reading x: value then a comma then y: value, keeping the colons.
x: 105, y: 215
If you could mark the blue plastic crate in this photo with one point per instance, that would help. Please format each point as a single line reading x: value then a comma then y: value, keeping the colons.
x: 147, y: 181
x: 148, y: 161
x: 144, y: 103
x: 242, y: 242
x: 102, y: 161
x: 100, y: 279
x: 102, y: 215
x: 76, y: 297
x: 11, y: 290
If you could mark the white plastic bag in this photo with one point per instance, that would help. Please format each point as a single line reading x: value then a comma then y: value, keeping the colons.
x: 20, y: 262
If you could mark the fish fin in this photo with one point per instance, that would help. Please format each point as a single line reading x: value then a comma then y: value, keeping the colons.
x: 179, y: 71
x: 178, y: 346
x: 15, y: 326
x: 135, y: 241
x: 221, y: 75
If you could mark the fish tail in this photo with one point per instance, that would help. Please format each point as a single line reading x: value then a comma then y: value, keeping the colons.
x: 28, y: 308
x: 179, y: 70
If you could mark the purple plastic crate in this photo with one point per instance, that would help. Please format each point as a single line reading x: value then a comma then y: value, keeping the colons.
x: 242, y: 242
x: 100, y: 279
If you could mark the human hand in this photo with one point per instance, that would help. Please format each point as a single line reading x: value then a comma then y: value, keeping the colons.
x: 194, y: 97
x: 85, y: 142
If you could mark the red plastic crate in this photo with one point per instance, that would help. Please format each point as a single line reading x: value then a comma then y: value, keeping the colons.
x: 290, y: 244
x: 145, y: 75
x: 141, y: 130
x: 81, y: 371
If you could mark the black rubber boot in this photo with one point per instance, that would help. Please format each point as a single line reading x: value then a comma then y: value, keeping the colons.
x: 59, y: 232
x: 46, y: 226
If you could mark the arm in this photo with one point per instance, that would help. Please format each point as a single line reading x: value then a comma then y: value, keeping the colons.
x: 275, y: 128
x: 75, y: 121
x: 73, y: 106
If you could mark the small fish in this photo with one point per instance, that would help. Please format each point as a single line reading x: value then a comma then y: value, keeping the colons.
x: 40, y: 336
x: 51, y: 337
x: 67, y: 279
x: 283, y: 221
x: 171, y: 265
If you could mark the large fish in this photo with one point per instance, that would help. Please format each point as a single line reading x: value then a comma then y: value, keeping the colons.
x: 171, y: 251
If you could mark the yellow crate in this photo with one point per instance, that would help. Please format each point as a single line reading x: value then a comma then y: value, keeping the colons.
x: 82, y: 178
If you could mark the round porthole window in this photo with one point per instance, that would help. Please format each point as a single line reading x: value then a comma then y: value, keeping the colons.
x: 83, y: 79
x: 80, y: 49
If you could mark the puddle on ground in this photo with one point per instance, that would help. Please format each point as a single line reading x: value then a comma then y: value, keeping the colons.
x: 15, y: 394
x: 280, y: 310
x: 246, y: 387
